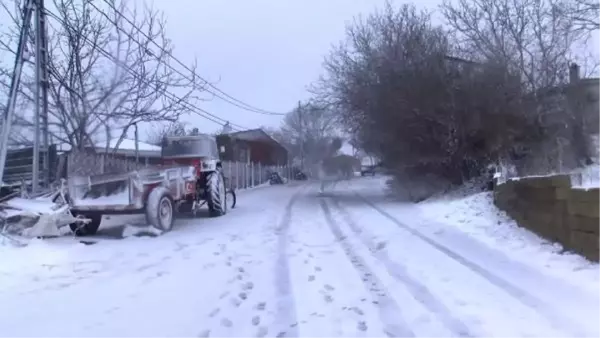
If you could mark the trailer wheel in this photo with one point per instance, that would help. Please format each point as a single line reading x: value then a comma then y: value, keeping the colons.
x: 216, y: 194
x: 160, y: 209
x: 87, y: 229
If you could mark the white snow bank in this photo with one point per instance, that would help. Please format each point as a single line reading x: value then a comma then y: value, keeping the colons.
x: 588, y: 177
x: 477, y: 216
x: 23, y: 206
x: 368, y: 183
x: 32, y: 205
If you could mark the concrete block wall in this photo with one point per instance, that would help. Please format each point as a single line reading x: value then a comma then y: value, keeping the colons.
x: 552, y: 208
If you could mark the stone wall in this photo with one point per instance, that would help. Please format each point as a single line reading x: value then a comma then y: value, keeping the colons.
x: 552, y: 208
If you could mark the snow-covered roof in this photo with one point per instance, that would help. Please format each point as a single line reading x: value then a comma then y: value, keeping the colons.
x: 127, y: 147
x: 127, y: 144
x: 257, y: 134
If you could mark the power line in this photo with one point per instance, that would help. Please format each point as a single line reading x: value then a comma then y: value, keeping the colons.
x: 198, y: 111
x: 225, y: 97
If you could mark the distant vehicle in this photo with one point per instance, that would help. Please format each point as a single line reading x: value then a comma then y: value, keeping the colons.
x: 298, y: 174
x: 367, y: 170
x: 275, y: 178
x: 191, y: 175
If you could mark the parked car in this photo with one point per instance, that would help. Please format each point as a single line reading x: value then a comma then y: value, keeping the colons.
x: 299, y: 175
x: 367, y: 170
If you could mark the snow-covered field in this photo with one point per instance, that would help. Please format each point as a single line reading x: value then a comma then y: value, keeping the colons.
x: 287, y: 262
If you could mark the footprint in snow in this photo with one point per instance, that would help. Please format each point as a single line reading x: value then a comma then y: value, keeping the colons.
x: 328, y: 287
x: 261, y: 306
x: 311, y: 278
x: 235, y: 302
x: 226, y: 322
x: 204, y: 334
x: 243, y: 295
x: 262, y: 331
x: 362, y: 326
x: 214, y: 312
x: 248, y: 286
x: 358, y: 311
x: 255, y: 320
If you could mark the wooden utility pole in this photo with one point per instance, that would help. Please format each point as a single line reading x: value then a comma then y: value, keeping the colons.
x: 7, y: 116
x: 302, y: 134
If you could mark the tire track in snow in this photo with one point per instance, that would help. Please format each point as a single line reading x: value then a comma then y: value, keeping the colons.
x: 389, y: 311
x: 286, y: 307
x: 556, y: 320
x: 399, y: 272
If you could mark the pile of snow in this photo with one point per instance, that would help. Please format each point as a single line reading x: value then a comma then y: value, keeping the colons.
x: 476, y: 215
x: 34, y: 217
x: 120, y: 198
x: 588, y: 177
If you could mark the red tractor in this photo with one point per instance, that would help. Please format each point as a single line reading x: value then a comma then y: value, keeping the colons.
x: 210, y: 188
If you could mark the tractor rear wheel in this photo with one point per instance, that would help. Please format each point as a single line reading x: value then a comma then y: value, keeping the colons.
x: 216, y: 194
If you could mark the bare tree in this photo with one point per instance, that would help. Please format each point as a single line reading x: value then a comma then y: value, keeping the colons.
x: 105, y: 74
x: 535, y: 37
x: 306, y: 131
x: 538, y: 39
x: 158, y: 132
x: 431, y: 118
x: 584, y: 13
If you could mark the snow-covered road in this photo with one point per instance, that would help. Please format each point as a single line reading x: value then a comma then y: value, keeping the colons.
x: 287, y: 262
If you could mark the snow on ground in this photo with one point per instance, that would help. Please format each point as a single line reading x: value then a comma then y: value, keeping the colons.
x: 290, y: 262
x: 206, y: 273
x: 476, y: 215
x: 588, y: 177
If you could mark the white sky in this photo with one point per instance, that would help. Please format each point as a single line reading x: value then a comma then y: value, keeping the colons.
x: 263, y: 52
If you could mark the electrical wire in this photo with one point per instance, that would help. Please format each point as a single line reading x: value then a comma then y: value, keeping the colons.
x: 198, y: 111
x: 217, y: 92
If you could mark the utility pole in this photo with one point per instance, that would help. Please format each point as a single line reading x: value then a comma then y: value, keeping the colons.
x: 41, y: 101
x: 302, y: 134
x: 14, y: 84
x: 137, y: 147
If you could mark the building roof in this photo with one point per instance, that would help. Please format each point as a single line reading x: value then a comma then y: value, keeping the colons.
x: 254, y: 135
x: 127, y: 147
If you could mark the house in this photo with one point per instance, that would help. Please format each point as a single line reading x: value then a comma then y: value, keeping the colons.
x: 568, y: 112
x: 252, y: 146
